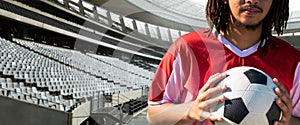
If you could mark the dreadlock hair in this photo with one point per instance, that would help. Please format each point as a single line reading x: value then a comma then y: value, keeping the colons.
x: 218, y: 16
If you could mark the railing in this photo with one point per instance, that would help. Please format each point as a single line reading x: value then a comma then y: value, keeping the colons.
x: 120, y: 22
x: 103, y: 100
x: 103, y: 110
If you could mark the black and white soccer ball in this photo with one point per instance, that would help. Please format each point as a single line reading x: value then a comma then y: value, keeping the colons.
x: 250, y: 98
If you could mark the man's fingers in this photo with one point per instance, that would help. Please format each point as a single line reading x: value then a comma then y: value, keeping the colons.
x: 283, y: 94
x: 206, y: 97
x: 286, y: 101
x: 280, y: 86
x: 206, y: 85
x: 215, y: 118
x: 204, y: 107
x: 211, y: 93
x: 286, y: 111
x: 204, y: 115
x: 207, y: 115
x: 211, y: 82
x: 211, y: 102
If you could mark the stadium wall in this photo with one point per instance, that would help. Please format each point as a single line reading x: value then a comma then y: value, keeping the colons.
x: 16, y: 112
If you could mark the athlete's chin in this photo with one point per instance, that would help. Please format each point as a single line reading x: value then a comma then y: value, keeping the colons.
x: 248, y: 24
x: 250, y: 21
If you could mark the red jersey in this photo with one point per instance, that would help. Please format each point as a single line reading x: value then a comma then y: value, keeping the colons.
x: 194, y: 57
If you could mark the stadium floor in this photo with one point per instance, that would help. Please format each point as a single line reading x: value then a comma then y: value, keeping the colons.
x: 140, y: 118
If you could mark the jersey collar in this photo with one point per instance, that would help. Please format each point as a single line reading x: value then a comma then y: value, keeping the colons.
x: 234, y: 49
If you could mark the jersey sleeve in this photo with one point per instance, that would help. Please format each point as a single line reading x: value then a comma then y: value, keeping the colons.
x: 295, y: 93
x: 177, y: 78
x: 162, y: 75
x: 174, y: 88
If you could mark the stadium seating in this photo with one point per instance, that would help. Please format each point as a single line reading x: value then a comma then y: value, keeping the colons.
x: 58, y: 78
x: 64, y: 79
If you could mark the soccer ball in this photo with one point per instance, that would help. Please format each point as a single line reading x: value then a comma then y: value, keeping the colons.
x: 250, y: 98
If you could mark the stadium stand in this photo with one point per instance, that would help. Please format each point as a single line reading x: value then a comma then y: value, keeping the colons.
x: 67, y: 26
x: 62, y: 79
x: 52, y: 71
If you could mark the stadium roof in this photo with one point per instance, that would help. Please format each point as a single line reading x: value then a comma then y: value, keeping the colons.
x: 191, y: 8
x: 183, y: 15
x: 196, y: 8
x: 194, y: 11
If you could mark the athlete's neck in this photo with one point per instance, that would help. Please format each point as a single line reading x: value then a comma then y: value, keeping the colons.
x: 242, y: 37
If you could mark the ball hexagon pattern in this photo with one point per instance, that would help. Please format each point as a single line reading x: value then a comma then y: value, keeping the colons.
x: 250, y: 98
